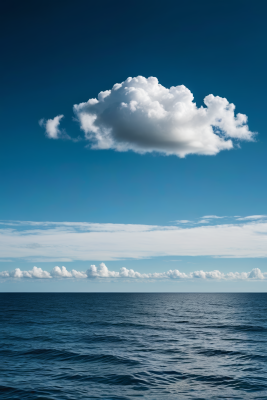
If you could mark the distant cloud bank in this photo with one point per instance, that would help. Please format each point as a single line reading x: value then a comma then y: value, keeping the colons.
x: 103, y: 272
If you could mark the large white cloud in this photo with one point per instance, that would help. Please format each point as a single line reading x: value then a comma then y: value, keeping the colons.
x: 141, y: 115
x: 103, y: 272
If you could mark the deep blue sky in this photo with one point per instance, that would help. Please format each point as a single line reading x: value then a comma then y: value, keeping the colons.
x: 55, y: 54
x: 58, y: 53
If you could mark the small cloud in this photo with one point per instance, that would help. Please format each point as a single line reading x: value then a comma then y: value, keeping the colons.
x: 34, y: 273
x: 251, y: 217
x: 52, y: 127
x: 211, y: 217
x: 62, y: 272
x: 41, y: 122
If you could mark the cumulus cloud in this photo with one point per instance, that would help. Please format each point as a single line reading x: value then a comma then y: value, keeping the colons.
x: 52, y: 127
x: 141, y: 115
x: 62, y: 272
x: 34, y: 273
x: 4, y: 274
x: 78, y: 274
x: 102, y: 272
x: 256, y: 274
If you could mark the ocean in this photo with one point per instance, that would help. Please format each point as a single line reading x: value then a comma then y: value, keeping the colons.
x: 133, y: 345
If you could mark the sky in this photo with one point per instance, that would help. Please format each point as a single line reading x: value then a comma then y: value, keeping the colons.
x: 133, y: 146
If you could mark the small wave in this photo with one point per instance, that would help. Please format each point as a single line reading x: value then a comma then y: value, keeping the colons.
x: 101, y: 338
x: 9, y: 392
x: 218, y: 352
x: 215, y: 380
x: 239, y: 328
x: 111, y: 379
x: 63, y: 355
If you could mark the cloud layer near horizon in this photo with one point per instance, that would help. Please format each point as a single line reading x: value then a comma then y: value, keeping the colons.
x: 70, y: 241
x: 103, y: 272
x: 141, y: 115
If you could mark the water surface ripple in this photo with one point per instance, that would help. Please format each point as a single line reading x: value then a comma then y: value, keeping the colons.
x: 134, y: 345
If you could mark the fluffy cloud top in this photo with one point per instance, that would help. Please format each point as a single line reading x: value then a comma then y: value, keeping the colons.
x: 52, y: 127
x: 103, y: 272
x: 34, y: 273
x: 62, y: 272
x: 141, y: 115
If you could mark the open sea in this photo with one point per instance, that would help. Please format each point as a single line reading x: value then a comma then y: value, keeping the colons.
x: 133, y: 345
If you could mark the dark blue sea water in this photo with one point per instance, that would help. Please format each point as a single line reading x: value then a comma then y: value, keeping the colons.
x: 126, y: 346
